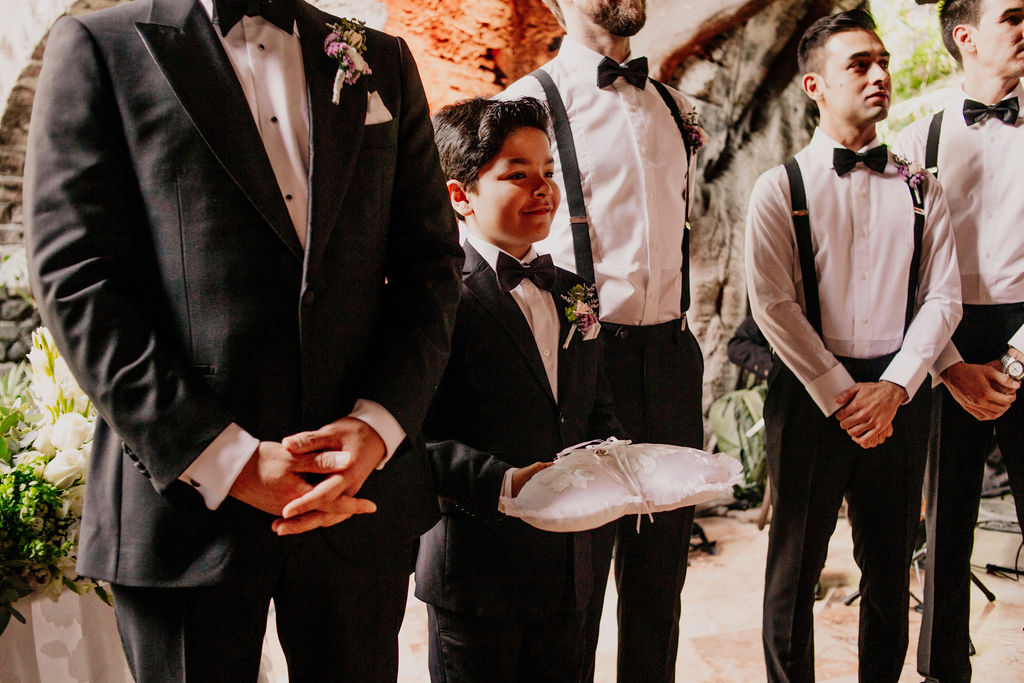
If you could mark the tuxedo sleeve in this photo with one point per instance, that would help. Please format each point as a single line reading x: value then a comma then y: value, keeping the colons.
x: 424, y: 261
x: 92, y: 265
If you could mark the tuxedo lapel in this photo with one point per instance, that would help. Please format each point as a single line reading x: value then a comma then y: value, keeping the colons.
x: 181, y: 40
x: 335, y: 130
x: 483, y: 284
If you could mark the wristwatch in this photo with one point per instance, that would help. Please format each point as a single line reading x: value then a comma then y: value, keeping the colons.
x: 1012, y: 367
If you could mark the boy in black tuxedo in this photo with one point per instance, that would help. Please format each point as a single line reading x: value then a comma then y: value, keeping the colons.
x: 506, y: 601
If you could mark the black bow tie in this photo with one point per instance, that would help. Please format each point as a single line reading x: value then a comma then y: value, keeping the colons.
x: 635, y: 72
x: 1006, y: 111
x: 280, y: 13
x: 540, y: 271
x: 844, y: 159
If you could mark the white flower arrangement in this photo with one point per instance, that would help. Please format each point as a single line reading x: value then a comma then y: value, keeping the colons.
x: 46, y: 426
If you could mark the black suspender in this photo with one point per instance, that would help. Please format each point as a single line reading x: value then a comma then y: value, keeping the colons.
x: 677, y: 116
x: 579, y: 222
x: 931, y: 150
x: 802, y: 228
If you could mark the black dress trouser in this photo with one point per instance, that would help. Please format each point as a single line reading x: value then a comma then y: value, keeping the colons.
x: 956, y: 466
x: 812, y: 465
x: 656, y: 374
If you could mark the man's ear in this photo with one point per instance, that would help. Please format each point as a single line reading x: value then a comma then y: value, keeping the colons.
x: 963, y: 36
x: 811, y: 83
x: 459, y: 198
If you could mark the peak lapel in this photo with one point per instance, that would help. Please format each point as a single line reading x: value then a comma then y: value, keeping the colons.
x: 483, y: 283
x: 179, y: 36
x: 335, y: 130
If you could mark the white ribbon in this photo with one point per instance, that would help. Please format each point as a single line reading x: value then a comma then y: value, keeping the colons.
x: 617, y: 466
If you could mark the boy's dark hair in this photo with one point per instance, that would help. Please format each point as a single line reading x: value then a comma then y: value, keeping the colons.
x: 818, y: 33
x: 471, y: 133
x: 953, y: 13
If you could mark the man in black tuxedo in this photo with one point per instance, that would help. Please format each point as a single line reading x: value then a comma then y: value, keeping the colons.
x: 507, y: 601
x: 227, y: 258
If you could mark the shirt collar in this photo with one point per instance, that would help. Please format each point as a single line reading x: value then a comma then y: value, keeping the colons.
x: 957, y: 101
x: 578, y: 57
x: 489, y: 252
x: 821, y: 147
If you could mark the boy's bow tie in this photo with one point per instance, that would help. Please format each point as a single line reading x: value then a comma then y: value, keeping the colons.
x: 635, y: 72
x: 845, y: 159
x: 227, y: 13
x: 541, y: 271
x: 1006, y: 111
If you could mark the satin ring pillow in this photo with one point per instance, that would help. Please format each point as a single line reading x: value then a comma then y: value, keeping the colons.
x: 592, y: 484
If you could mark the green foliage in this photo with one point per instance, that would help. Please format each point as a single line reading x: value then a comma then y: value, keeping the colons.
x: 34, y: 534
x: 736, y: 420
x: 919, y: 64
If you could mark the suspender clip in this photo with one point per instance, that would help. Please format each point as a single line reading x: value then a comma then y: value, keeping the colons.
x: 801, y: 212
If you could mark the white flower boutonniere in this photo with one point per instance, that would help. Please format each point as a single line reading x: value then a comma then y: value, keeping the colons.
x: 347, y: 42
x: 582, y: 313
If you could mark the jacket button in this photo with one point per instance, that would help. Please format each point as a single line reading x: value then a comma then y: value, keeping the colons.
x: 308, y: 297
x: 561, y: 418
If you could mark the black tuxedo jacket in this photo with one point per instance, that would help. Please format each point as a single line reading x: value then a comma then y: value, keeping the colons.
x: 165, y: 263
x: 494, y: 410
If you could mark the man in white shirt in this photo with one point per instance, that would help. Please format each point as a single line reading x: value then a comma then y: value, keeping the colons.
x: 635, y: 155
x: 254, y: 277
x: 975, y: 144
x: 852, y: 276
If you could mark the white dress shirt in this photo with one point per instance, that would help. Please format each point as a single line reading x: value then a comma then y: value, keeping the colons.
x: 979, y: 168
x: 633, y: 171
x: 862, y: 233
x: 539, y: 310
x: 268, y: 64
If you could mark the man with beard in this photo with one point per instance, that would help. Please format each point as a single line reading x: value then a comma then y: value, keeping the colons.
x: 625, y: 158
x: 975, y: 145
x: 852, y: 275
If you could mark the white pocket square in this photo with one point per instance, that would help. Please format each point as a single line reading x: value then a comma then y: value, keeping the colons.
x: 376, y: 112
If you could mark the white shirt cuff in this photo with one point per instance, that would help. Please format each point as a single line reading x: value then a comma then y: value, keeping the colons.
x: 382, y: 422
x: 906, y: 370
x: 506, y: 489
x: 825, y: 388
x: 1017, y: 340
x: 213, y: 473
x: 949, y: 356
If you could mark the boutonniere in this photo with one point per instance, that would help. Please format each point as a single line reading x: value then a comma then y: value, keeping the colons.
x: 347, y: 42
x: 696, y: 138
x: 581, y: 312
x: 912, y: 174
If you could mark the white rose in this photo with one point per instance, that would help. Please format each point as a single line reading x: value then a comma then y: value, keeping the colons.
x: 44, y: 440
x: 65, y: 468
x: 71, y: 431
x: 354, y: 38
x: 358, y: 63
x: 46, y: 390
x: 75, y: 497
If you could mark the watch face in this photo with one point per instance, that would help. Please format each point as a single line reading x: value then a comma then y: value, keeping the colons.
x: 1015, y: 369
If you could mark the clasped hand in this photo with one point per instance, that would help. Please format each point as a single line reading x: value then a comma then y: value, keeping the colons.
x: 276, y: 479
x: 868, y: 410
x: 984, y: 391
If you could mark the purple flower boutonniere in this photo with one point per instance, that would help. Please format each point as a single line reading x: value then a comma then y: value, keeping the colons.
x: 912, y: 174
x: 347, y: 42
x: 581, y: 312
x: 696, y: 138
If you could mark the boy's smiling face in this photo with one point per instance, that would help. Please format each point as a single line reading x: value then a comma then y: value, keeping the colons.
x: 515, y: 196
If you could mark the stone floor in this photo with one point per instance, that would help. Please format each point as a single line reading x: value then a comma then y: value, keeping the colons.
x: 721, y: 637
